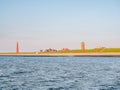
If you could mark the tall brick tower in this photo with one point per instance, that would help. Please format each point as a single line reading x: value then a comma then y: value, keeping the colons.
x: 82, y: 46
x: 17, y: 48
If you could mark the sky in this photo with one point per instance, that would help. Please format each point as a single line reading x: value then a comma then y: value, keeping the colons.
x: 41, y: 24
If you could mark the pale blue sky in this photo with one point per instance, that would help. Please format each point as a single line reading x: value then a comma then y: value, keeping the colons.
x: 40, y: 24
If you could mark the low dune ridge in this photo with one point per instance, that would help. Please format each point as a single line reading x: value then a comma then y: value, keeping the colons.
x: 62, y: 54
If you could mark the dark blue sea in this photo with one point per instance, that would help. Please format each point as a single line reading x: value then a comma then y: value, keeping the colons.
x: 59, y: 73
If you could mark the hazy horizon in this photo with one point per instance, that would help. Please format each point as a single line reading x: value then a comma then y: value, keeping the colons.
x: 42, y: 24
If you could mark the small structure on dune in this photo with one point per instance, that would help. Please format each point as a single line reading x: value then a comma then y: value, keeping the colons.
x: 65, y: 49
x: 100, y: 49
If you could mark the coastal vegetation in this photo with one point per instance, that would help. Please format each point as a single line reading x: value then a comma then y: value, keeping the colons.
x: 90, y: 50
x: 96, y: 50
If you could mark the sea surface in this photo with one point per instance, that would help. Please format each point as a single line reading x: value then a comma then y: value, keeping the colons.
x: 59, y: 73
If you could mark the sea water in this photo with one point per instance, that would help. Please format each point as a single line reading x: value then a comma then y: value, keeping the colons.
x: 59, y: 73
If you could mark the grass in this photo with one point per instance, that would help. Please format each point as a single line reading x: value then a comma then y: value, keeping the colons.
x: 87, y: 50
x: 100, y: 50
x: 111, y: 50
x: 92, y: 50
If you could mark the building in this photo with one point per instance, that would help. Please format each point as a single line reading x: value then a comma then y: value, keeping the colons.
x: 65, y: 49
x: 82, y: 46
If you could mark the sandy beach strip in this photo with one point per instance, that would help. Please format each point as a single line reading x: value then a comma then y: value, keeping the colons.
x: 66, y: 54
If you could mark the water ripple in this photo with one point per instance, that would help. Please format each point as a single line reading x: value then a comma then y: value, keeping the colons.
x: 59, y: 73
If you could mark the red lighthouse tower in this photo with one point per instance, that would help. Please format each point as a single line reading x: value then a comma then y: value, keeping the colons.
x: 17, y: 48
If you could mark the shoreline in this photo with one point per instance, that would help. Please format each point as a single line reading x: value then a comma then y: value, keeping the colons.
x: 111, y: 54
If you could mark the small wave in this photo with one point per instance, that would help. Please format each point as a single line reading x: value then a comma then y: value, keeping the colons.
x: 21, y: 72
x: 6, y: 76
x: 109, y: 88
x: 59, y: 88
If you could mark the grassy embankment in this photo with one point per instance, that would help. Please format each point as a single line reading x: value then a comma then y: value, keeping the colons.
x: 105, y: 50
x: 92, y: 50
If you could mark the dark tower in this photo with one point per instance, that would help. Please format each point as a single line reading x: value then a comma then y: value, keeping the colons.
x: 82, y: 46
x: 17, y: 48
